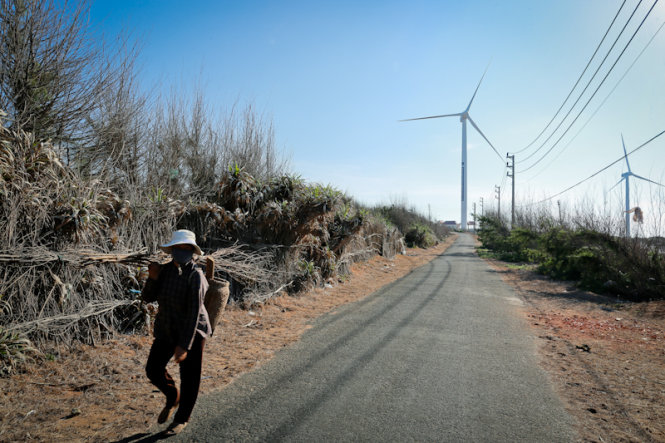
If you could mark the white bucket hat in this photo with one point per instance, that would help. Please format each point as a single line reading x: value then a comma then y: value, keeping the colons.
x: 182, y: 237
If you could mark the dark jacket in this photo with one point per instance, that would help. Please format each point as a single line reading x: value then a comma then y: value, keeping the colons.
x: 180, y: 293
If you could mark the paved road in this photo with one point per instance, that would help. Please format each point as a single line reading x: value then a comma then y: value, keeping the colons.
x: 440, y: 355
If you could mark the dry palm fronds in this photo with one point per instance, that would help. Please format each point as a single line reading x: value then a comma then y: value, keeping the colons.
x: 93, y: 308
x: 42, y: 257
x: 255, y: 268
x: 14, y: 350
x: 71, y: 267
x: 638, y: 216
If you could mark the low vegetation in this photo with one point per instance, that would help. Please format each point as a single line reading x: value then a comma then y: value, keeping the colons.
x: 632, y: 268
x: 418, y: 230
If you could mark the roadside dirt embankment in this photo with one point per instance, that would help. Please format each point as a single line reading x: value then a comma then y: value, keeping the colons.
x: 605, y: 356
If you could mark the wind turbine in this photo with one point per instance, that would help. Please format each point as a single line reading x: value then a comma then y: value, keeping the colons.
x: 626, y: 176
x: 464, y: 116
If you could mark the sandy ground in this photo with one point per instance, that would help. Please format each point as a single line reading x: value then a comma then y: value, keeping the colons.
x: 101, y: 393
x: 605, y: 356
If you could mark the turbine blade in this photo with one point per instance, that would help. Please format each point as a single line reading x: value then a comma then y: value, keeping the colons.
x: 476, y: 91
x: 481, y: 133
x: 433, y: 116
x: 646, y: 179
x: 617, y: 184
x: 624, y: 153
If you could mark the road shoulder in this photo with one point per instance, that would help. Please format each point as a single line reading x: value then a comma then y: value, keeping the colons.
x: 604, y: 356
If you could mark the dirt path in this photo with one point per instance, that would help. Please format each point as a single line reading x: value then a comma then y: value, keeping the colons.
x: 101, y: 393
x: 606, y: 357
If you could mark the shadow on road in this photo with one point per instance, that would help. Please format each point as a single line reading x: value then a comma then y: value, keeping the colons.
x: 144, y: 437
x: 461, y: 254
x: 331, y: 318
x: 300, y: 414
x: 297, y: 417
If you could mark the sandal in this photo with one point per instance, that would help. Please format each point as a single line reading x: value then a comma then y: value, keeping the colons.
x: 166, y: 412
x: 175, y: 428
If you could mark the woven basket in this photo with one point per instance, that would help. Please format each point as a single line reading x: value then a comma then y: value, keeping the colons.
x: 215, y: 300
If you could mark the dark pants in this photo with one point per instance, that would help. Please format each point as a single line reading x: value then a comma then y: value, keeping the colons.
x: 190, y: 375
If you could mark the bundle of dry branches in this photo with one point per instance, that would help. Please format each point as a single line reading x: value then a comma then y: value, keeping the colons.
x: 252, y: 268
x: 41, y: 256
x: 94, y: 308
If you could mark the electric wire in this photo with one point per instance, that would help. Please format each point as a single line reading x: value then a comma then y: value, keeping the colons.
x: 599, y: 171
x: 609, y: 51
x: 600, y: 106
x: 595, y: 92
x: 576, y: 83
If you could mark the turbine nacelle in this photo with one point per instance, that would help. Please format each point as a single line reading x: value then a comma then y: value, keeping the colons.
x: 463, y: 117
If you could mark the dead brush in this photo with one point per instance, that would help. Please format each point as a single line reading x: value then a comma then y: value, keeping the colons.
x: 14, y: 351
x: 72, y: 270
x: 49, y: 218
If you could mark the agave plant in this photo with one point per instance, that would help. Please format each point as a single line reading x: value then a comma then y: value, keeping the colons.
x: 14, y: 350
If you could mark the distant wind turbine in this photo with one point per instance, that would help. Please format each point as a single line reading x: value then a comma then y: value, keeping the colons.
x: 464, y: 116
x: 626, y: 176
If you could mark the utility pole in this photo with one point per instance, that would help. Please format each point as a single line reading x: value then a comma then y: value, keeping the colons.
x: 497, y: 190
x: 511, y: 165
x: 482, y: 214
x: 429, y: 212
x: 474, y: 216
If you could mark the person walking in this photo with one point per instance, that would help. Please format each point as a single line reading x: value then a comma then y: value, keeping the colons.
x: 181, y: 327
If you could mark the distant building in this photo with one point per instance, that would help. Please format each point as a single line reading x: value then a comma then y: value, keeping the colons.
x: 452, y: 224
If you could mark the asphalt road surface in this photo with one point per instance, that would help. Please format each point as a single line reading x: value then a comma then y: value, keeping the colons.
x: 439, y: 355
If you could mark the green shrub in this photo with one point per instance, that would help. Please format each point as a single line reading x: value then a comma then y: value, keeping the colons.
x: 410, y: 223
x: 515, y: 246
x: 596, y: 261
x: 420, y: 236
x: 493, y: 233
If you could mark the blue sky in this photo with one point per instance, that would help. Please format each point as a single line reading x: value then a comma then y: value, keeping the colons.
x: 336, y: 77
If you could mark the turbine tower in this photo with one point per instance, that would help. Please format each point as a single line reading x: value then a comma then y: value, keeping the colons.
x: 626, y: 176
x: 463, y: 116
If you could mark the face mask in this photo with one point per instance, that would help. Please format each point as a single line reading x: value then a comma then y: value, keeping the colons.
x: 181, y: 256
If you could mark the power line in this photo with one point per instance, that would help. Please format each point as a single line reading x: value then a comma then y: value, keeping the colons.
x: 609, y: 51
x: 594, y: 92
x: 577, y: 82
x: 601, y: 104
x: 599, y: 171
x: 503, y: 173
